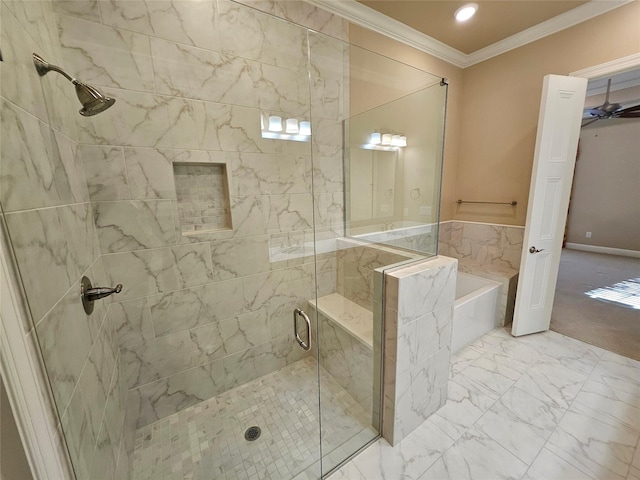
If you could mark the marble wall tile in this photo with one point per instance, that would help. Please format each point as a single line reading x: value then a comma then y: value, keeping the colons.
x: 148, y: 272
x: 20, y: 83
x: 183, y: 22
x: 327, y: 59
x: 228, y: 336
x: 327, y: 98
x: 80, y: 439
x: 240, y: 257
x: 162, y: 398
x: 269, y: 174
x: 114, y: 409
x: 137, y: 119
x: 38, y: 167
x: 192, y: 307
x: 86, y: 9
x: 103, y: 464
x: 52, y: 247
x: 105, y: 171
x: 157, y: 358
x: 182, y: 123
x: 328, y: 176
x: 253, y: 35
x: 105, y: 56
x: 125, y: 226
x: 290, y: 212
x: 150, y: 171
x: 439, y: 282
x: 65, y: 342
x: 347, y: 360
x: 278, y: 287
x: 131, y: 321
x: 422, y: 338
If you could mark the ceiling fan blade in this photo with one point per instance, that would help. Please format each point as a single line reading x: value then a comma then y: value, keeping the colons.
x: 632, y: 109
x: 606, y: 100
x: 632, y: 114
x: 589, y: 122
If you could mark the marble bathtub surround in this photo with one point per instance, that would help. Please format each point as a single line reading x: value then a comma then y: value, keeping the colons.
x: 488, y: 251
x: 499, y: 246
x: 419, y: 302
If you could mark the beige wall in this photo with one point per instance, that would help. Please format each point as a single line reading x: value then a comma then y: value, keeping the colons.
x: 500, y: 105
x: 605, y: 198
x: 403, y: 53
x: 493, y: 106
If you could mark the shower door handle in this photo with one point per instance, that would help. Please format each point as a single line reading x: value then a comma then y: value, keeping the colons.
x: 299, y: 313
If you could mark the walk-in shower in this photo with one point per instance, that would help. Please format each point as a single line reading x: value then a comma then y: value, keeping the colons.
x: 92, y: 100
x: 217, y: 229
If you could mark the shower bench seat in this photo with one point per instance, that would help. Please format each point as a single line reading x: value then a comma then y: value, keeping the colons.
x: 355, y: 320
x: 346, y: 346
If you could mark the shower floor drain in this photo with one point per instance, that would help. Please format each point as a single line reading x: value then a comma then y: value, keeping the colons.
x: 252, y: 433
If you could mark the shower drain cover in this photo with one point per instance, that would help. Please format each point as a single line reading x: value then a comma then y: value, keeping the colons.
x: 252, y: 433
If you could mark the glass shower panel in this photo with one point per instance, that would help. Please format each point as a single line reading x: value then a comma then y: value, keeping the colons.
x: 382, y: 130
x: 194, y: 192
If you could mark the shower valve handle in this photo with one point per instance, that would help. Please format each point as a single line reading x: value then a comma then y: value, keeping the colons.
x: 89, y: 294
x: 100, y: 292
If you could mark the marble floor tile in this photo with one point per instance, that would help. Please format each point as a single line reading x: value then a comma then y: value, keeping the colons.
x: 462, y: 359
x: 476, y: 456
x: 548, y: 466
x: 408, y: 459
x: 466, y: 402
x: 552, y: 383
x: 521, y: 423
x: 594, y: 442
x: 494, y: 372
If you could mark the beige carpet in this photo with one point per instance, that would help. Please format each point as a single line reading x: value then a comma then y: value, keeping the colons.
x: 604, y: 324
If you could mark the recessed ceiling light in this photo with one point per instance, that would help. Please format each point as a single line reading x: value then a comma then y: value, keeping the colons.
x: 465, y: 12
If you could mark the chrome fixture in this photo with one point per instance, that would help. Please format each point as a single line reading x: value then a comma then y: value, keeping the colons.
x: 93, y: 100
x: 90, y: 294
x: 297, y: 312
x: 535, y: 250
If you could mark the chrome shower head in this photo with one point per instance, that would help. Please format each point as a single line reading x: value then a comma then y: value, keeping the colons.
x: 93, y: 100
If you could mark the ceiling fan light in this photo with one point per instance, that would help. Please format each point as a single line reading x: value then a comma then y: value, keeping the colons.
x: 465, y: 12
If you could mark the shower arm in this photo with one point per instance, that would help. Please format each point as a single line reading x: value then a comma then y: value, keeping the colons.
x: 43, y: 67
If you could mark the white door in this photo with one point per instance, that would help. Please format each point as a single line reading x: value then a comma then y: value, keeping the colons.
x: 552, y: 174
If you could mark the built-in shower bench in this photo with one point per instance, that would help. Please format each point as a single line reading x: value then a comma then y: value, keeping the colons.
x: 346, y: 345
x: 355, y: 320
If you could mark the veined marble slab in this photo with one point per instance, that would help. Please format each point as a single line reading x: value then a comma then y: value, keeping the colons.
x: 350, y: 316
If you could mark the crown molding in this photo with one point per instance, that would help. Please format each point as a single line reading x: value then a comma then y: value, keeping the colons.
x: 614, y: 66
x: 556, y: 24
x: 373, y: 20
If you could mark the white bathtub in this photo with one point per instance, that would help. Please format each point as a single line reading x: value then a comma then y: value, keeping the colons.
x: 475, y: 310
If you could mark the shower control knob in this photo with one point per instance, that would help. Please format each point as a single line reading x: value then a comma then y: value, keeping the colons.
x: 89, y: 294
x: 535, y: 250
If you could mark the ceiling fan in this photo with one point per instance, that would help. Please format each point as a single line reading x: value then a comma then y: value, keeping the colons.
x: 609, y: 110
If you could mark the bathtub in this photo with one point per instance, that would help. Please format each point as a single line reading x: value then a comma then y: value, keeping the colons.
x: 475, y: 311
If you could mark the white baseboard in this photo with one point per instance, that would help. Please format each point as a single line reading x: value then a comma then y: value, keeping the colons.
x: 608, y: 250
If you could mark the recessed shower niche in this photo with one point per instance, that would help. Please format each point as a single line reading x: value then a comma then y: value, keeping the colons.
x: 202, y: 192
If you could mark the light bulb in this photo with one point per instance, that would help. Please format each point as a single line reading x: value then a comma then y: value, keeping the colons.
x: 275, y: 123
x: 375, y: 138
x: 395, y: 140
x: 305, y: 127
x: 386, y: 139
x: 291, y: 125
x: 402, y: 142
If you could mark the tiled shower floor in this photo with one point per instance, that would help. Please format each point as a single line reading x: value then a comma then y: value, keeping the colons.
x: 206, y: 441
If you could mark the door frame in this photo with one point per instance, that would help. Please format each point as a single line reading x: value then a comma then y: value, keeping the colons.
x: 22, y: 372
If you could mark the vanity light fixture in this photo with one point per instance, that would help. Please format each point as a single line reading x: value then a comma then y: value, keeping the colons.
x: 294, y: 129
x: 385, y: 141
x: 465, y: 12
